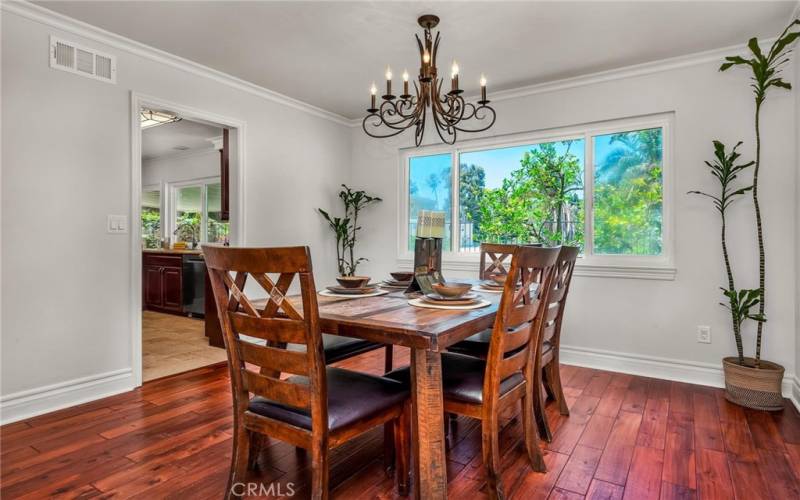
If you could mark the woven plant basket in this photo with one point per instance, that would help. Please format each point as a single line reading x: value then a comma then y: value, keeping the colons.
x: 757, y: 388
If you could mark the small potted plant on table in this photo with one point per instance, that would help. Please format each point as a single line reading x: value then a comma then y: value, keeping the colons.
x: 346, y: 229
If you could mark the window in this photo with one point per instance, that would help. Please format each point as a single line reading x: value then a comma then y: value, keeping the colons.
x: 522, y: 194
x: 600, y: 187
x: 429, y: 188
x: 151, y: 218
x: 217, y: 231
x: 628, y: 192
x: 196, y: 212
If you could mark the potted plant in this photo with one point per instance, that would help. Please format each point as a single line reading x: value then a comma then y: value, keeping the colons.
x: 754, y: 382
x: 739, y: 370
x: 346, y: 230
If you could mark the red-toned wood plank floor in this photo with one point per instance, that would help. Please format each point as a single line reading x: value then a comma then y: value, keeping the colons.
x: 627, y: 437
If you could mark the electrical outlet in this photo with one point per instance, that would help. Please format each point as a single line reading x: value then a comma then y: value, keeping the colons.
x: 704, y: 334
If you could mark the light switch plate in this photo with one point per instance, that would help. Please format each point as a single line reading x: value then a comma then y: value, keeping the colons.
x: 118, y: 224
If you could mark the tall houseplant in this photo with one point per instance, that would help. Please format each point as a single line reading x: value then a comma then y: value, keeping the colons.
x: 754, y: 382
x: 766, y: 69
x: 726, y: 171
x: 346, y: 228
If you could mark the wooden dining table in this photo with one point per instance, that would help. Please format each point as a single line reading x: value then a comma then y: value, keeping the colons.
x: 390, y: 319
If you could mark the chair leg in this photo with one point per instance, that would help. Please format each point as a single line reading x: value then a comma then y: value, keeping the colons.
x: 547, y: 382
x: 256, y: 444
x: 538, y: 411
x: 389, y: 447
x: 388, y: 361
x: 535, y: 455
x: 490, y: 446
x: 239, y: 462
x: 402, y: 446
x: 555, y: 377
x: 319, y: 469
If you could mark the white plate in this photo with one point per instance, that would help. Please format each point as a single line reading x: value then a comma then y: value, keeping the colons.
x: 328, y: 293
x: 421, y: 303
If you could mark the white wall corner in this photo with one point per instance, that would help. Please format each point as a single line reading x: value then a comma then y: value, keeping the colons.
x: 707, y: 374
x: 32, y: 402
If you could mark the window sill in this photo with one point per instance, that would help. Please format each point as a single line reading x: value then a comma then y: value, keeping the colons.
x: 659, y: 273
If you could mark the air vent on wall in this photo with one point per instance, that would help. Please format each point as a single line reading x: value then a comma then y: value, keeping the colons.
x: 71, y: 57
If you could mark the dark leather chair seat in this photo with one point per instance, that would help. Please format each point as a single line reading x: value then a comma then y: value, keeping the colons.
x: 338, y: 348
x: 351, y: 397
x: 478, y: 346
x: 462, y: 378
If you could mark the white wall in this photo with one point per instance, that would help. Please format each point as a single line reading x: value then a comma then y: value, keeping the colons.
x: 796, y: 85
x: 642, y: 319
x: 66, y: 284
x: 182, y: 167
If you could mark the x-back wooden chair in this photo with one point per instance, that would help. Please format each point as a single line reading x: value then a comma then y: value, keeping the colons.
x: 482, y: 389
x: 550, y: 339
x: 317, y: 408
x: 495, y: 259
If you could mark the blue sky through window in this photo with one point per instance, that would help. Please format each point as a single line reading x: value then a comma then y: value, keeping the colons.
x: 499, y: 163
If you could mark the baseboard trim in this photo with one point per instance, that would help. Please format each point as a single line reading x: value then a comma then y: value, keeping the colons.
x: 664, y: 368
x: 794, y: 393
x: 33, y: 402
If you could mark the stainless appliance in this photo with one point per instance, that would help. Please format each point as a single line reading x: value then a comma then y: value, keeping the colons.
x: 194, y: 285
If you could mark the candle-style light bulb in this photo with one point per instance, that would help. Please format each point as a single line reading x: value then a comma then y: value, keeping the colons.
x: 405, y: 75
x: 426, y: 56
x: 454, y: 78
x: 373, y: 90
x: 388, y: 82
x: 483, y: 80
x: 483, y: 89
x: 405, y: 84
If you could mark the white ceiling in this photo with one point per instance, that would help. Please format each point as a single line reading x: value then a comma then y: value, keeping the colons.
x: 171, y: 138
x: 328, y: 53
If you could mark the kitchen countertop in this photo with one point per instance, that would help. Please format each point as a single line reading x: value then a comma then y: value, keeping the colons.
x: 173, y: 251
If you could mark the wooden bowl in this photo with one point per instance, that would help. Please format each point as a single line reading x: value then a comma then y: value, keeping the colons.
x: 500, y: 279
x: 353, y: 281
x: 451, y: 289
x: 402, y: 276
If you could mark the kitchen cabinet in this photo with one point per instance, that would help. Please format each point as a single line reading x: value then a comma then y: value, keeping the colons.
x: 162, y: 282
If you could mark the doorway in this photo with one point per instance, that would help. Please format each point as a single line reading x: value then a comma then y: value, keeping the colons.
x: 187, y: 173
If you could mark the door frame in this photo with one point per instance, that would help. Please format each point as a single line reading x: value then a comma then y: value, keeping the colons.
x: 237, y: 215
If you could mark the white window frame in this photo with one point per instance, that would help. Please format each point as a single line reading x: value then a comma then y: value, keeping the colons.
x: 172, y: 188
x: 660, y: 267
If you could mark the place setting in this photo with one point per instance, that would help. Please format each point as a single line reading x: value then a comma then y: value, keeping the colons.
x: 399, y: 281
x: 353, y: 287
x: 493, y: 284
x: 458, y: 296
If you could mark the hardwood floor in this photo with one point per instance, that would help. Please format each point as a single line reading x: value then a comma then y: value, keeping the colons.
x: 174, y: 344
x: 627, y: 437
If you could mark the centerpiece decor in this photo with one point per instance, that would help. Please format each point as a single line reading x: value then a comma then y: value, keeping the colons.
x: 449, y: 110
x: 346, y: 229
x: 751, y: 382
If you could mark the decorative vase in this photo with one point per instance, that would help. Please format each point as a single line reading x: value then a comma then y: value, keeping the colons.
x: 757, y: 388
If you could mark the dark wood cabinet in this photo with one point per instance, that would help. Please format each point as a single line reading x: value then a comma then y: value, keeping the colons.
x: 162, y: 282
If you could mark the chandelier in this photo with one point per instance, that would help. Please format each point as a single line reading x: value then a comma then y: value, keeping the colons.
x: 449, y: 111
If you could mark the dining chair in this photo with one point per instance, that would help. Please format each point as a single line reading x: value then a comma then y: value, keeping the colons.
x: 315, y: 408
x: 495, y: 259
x: 483, y: 389
x: 548, y: 372
x: 547, y: 363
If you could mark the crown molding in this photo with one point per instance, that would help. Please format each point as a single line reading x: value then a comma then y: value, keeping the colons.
x: 33, y: 12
